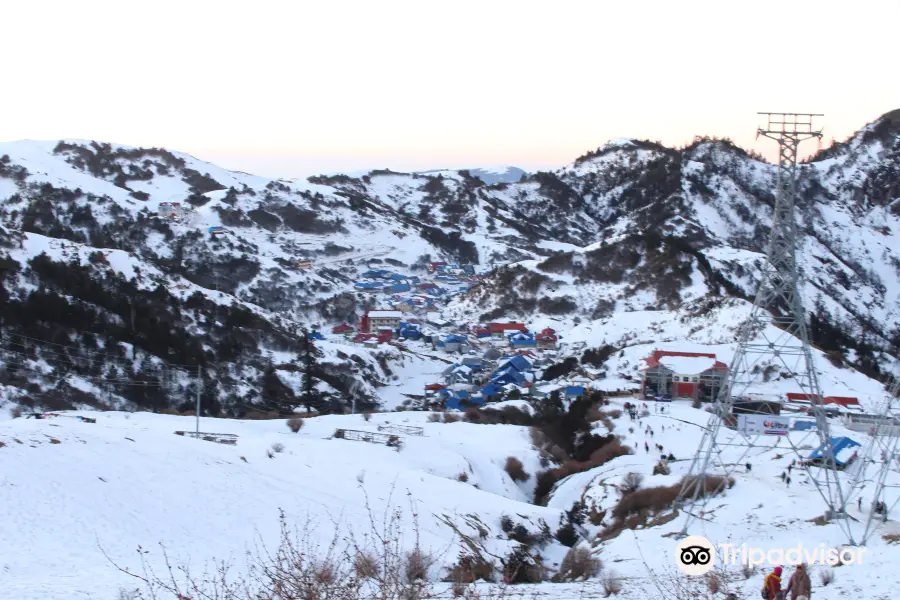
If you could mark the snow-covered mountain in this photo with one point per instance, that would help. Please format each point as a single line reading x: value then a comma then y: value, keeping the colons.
x: 629, y: 232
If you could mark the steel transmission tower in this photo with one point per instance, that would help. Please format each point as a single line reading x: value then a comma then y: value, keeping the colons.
x: 884, y: 445
x: 774, y: 335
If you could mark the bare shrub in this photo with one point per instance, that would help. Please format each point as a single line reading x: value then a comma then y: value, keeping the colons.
x: 463, y: 477
x: 450, y: 417
x: 662, y: 468
x: 696, y: 403
x: 604, y: 454
x: 367, y: 416
x: 711, y: 485
x: 654, y: 499
x: 826, y: 576
x: 470, y: 569
x: 748, y: 571
x: 295, y: 424
x: 350, y: 567
x: 713, y: 583
x: 538, y: 439
x: 277, y: 447
x: 15, y: 412
x: 434, y: 418
x: 645, y: 413
x: 891, y: 538
x: 417, y: 565
x: 365, y: 564
x: 578, y: 563
x: 515, y: 469
x: 631, y: 483
x: 612, y: 584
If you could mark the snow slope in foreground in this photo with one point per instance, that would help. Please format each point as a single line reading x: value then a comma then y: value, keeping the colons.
x: 127, y: 481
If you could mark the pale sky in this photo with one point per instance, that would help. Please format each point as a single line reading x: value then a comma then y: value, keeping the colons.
x: 296, y: 87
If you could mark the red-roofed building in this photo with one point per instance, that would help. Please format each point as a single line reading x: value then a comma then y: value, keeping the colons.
x: 546, y: 338
x: 342, y: 328
x: 688, y: 375
x: 501, y: 329
x: 845, y: 401
x: 800, y: 397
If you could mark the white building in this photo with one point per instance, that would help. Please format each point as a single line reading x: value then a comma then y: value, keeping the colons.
x: 382, y: 319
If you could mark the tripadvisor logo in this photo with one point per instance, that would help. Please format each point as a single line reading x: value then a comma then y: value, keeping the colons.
x: 695, y: 555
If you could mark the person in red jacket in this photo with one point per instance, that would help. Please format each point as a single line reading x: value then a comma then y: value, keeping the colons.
x: 772, y: 585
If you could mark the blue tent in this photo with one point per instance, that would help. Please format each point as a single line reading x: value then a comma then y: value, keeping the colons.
x: 315, y: 335
x: 454, y: 398
x: 217, y: 229
x: 843, y: 451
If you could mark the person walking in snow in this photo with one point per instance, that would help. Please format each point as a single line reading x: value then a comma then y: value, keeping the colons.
x: 791, y: 466
x: 799, y: 584
x: 788, y: 481
x: 772, y: 585
x: 859, y: 503
x: 748, y: 467
x: 783, y: 475
x: 647, y: 447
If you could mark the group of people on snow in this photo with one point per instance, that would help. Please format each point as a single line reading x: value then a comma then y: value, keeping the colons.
x: 799, y: 586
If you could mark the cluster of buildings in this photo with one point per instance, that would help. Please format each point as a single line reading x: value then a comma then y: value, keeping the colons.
x: 672, y: 375
x: 409, y: 293
x: 475, y: 381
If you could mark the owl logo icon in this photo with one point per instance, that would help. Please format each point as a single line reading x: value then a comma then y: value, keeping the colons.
x: 695, y: 555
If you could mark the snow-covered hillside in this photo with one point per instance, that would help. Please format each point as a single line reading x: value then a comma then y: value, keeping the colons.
x: 629, y: 232
x: 75, y: 493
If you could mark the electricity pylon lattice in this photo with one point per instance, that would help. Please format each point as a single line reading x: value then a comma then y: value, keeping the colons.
x: 772, y: 342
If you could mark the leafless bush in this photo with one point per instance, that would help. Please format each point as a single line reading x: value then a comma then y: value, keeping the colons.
x: 826, y: 576
x: 578, y: 563
x: 434, y: 418
x: 295, y: 424
x: 450, y: 417
x: 376, y: 565
x: 470, y: 569
x: 15, y: 412
x: 748, y: 571
x: 662, y: 468
x: 612, y: 584
x: 696, y: 403
x: 891, y: 538
x: 365, y: 564
x: 463, y: 477
x: 367, y: 416
x: 713, y: 583
x: 631, y: 483
x: 645, y: 413
x: 515, y: 469
x: 654, y: 499
x: 277, y: 447
x: 417, y: 565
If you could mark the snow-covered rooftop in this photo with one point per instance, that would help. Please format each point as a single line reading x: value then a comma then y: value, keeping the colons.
x: 385, y: 314
x: 687, y: 365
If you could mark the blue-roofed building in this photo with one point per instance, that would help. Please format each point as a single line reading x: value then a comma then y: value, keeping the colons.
x: 410, y: 332
x: 400, y: 287
x: 802, y: 425
x: 519, y: 363
x: 507, y: 376
x: 315, y: 335
x: 522, y: 340
x: 845, y: 450
x: 574, y: 391
x: 455, y: 343
x: 492, y: 392
x: 459, y: 399
x: 368, y: 285
x: 397, y: 277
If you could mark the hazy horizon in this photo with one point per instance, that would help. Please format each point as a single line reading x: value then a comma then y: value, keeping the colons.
x: 287, y: 90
